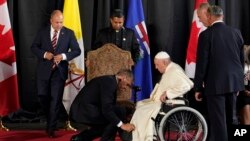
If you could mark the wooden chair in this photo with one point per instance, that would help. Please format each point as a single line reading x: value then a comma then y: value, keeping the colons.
x: 108, y: 60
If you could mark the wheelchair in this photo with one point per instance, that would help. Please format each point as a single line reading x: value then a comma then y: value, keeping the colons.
x: 180, y: 123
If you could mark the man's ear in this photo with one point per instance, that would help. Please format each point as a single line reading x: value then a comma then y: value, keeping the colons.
x: 119, y: 78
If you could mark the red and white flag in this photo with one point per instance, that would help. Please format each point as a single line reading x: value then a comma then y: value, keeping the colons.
x: 196, y: 28
x: 9, y: 101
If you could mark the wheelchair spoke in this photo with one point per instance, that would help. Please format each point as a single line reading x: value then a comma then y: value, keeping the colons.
x: 185, y: 125
x: 182, y: 124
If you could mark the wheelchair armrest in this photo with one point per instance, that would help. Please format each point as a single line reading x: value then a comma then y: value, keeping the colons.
x: 184, y: 99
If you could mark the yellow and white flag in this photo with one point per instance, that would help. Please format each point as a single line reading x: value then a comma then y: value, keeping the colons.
x: 75, y: 80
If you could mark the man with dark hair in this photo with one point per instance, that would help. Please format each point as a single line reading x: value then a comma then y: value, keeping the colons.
x: 219, y: 71
x: 119, y: 35
x: 95, y: 106
x: 117, y: 13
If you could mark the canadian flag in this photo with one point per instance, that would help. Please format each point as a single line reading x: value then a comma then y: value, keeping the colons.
x: 9, y: 101
x: 196, y: 28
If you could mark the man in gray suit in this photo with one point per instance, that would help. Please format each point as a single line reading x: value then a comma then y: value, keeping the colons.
x: 219, y: 73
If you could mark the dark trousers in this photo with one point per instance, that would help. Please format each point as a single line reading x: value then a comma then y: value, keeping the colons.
x: 221, y: 115
x: 50, y: 93
x: 106, y: 131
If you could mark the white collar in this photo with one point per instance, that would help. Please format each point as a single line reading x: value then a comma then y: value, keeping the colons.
x: 218, y: 21
x: 53, y: 30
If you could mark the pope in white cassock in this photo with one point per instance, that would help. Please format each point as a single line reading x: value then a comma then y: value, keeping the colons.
x: 174, y: 83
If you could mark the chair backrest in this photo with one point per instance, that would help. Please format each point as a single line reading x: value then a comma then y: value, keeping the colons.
x: 108, y: 60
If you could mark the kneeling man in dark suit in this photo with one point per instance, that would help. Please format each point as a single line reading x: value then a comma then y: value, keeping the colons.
x: 95, y: 106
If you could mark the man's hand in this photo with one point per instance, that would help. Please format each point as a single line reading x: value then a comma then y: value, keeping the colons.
x: 128, y: 127
x: 198, y: 96
x: 49, y: 55
x: 163, y: 97
x: 58, y: 58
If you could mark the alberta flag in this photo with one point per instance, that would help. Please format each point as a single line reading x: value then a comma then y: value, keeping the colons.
x: 142, y: 69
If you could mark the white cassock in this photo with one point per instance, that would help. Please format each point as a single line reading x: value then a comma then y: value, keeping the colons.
x: 176, y: 84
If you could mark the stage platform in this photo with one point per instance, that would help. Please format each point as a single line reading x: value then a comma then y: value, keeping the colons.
x: 36, y: 132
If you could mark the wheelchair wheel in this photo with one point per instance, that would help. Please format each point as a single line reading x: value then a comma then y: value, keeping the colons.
x: 183, y: 124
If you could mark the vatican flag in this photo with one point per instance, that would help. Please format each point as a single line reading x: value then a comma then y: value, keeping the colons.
x: 75, y: 80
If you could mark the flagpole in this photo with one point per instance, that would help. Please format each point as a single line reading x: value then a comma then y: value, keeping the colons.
x: 2, y: 127
x: 73, y: 22
x: 78, y: 71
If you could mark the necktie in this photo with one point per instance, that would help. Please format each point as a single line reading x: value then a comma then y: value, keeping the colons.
x: 54, y: 40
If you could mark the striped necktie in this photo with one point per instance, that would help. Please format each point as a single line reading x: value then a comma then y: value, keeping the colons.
x: 54, y: 39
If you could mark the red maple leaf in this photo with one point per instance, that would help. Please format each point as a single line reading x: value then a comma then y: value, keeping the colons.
x: 2, y: 1
x: 193, y: 41
x: 7, y: 55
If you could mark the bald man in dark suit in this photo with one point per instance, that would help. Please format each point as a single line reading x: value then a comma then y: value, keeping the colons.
x: 54, y: 46
x: 219, y: 72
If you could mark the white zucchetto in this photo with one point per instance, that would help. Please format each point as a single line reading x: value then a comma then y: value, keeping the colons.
x: 162, y: 55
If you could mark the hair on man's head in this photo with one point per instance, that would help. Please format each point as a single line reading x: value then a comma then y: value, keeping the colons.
x: 117, y: 13
x: 55, y: 12
x: 204, y: 5
x: 215, y: 10
x: 126, y: 72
